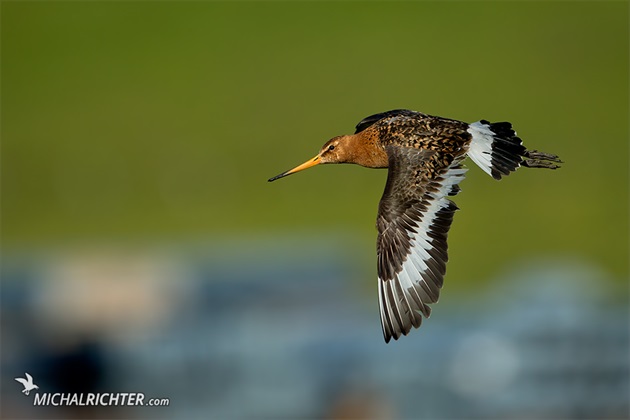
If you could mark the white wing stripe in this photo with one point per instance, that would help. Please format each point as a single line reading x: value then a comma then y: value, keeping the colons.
x: 417, y: 260
x: 411, y: 289
x: 394, y: 314
x: 404, y: 303
x: 385, y: 322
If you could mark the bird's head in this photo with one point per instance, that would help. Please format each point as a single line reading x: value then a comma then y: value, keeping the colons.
x: 335, y: 150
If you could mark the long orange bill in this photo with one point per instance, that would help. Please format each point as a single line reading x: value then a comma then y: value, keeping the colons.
x: 311, y: 162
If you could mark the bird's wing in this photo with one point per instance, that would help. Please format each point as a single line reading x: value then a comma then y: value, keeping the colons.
x: 373, y: 119
x: 22, y: 381
x: 414, y: 217
x: 29, y: 377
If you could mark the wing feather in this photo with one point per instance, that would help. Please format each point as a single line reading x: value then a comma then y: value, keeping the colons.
x: 413, y: 222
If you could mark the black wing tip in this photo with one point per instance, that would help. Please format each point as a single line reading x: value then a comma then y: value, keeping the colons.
x: 388, y: 337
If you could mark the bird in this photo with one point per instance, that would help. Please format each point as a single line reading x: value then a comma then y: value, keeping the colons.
x: 28, y: 384
x: 424, y: 155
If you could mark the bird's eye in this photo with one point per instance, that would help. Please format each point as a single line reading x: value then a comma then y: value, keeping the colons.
x: 331, y: 147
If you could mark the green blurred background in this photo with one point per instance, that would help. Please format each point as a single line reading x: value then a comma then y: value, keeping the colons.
x: 141, y: 121
x: 140, y: 234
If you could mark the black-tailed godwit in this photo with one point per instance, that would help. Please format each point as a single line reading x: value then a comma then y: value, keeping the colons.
x: 424, y: 154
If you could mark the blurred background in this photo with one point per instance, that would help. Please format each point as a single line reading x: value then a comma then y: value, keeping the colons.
x: 144, y: 251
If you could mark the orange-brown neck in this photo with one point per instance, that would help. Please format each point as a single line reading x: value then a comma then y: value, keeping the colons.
x: 365, y: 150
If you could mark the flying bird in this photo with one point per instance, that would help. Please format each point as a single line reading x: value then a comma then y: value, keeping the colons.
x: 28, y: 384
x: 424, y: 154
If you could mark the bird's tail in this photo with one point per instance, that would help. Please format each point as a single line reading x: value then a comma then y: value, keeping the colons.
x: 497, y: 150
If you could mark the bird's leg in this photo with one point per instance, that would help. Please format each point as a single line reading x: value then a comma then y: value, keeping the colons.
x: 536, y: 159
